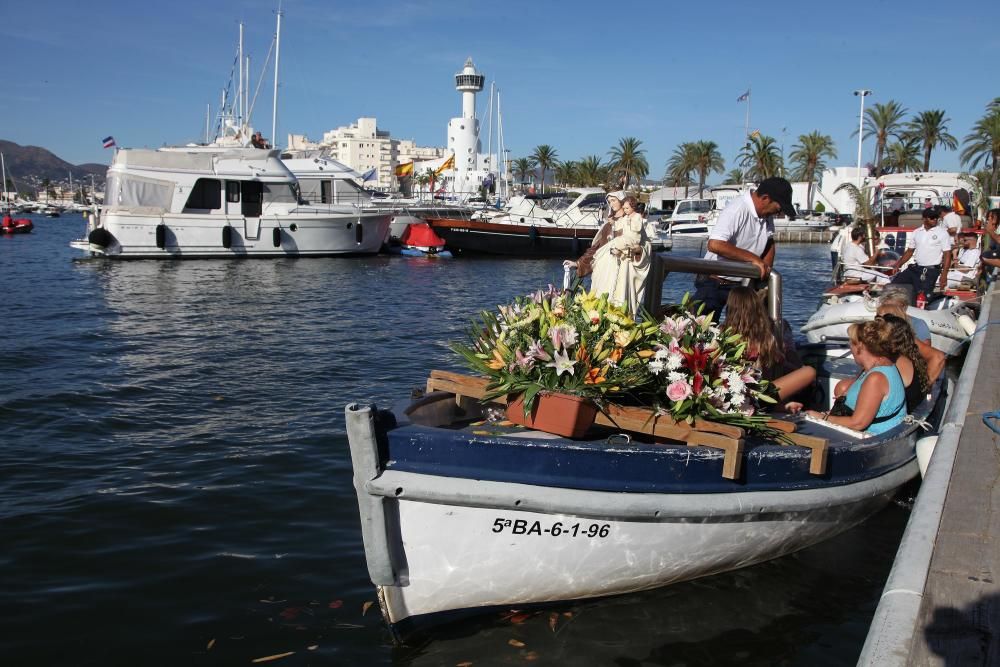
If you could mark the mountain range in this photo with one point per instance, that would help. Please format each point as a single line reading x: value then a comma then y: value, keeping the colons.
x: 27, y: 164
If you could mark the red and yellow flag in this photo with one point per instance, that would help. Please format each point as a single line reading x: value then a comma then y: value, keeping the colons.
x: 404, y: 169
x: 448, y: 164
x: 957, y: 205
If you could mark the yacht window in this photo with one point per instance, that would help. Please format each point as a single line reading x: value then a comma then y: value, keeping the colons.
x: 279, y: 193
x: 699, y: 206
x: 326, y: 192
x: 233, y: 192
x: 310, y: 190
x: 206, y: 195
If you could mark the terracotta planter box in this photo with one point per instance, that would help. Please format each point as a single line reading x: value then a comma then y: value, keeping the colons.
x: 562, y: 414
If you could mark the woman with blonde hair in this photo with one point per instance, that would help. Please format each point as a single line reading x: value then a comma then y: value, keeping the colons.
x: 619, y: 257
x: 876, y: 400
x: 895, y: 301
x: 779, y: 363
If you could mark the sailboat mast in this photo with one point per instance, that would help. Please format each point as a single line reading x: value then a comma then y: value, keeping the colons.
x: 277, y: 57
x: 239, y: 89
x: 3, y: 168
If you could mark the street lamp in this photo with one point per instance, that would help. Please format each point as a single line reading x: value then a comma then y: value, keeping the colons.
x: 862, y: 93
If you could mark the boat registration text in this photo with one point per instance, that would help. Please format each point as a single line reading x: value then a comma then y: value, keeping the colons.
x: 524, y: 527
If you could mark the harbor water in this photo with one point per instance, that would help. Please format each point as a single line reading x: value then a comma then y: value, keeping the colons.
x: 175, y: 482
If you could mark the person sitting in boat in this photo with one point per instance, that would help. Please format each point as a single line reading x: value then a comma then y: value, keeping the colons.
x: 778, y: 362
x: 855, y: 258
x: 895, y: 301
x: 991, y: 257
x: 875, y: 401
x: 618, y: 258
x: 967, y: 267
x: 911, y: 365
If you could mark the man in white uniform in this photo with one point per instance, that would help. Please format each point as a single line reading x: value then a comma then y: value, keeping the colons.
x: 855, y: 258
x: 951, y: 221
x: 929, y: 246
x: 744, y: 232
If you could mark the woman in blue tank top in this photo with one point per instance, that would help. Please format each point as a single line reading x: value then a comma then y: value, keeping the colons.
x: 877, y: 397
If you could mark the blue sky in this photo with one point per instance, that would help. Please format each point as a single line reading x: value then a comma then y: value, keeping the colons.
x: 573, y: 75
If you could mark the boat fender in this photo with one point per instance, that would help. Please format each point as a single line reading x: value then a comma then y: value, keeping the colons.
x: 967, y: 323
x: 925, y: 447
x: 100, y: 237
x: 276, y: 237
x: 161, y: 236
x: 533, y: 234
x: 359, y: 233
x: 227, y: 237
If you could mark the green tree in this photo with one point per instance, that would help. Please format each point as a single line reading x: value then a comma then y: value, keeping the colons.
x: 862, y: 199
x: 680, y: 166
x: 930, y: 129
x: 591, y: 172
x: 705, y: 157
x: 735, y: 177
x: 546, y: 158
x: 628, y: 161
x: 982, y: 144
x: 808, y: 155
x: 565, y: 173
x: 524, y: 167
x: 884, y: 122
x: 760, y: 157
x: 902, y: 157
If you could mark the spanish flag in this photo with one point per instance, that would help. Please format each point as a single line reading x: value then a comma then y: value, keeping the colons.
x: 957, y: 205
x: 404, y: 170
x: 448, y: 164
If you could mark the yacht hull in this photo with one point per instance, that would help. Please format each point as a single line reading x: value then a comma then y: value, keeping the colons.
x: 475, y: 236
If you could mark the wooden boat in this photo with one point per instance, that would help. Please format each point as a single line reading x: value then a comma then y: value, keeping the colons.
x: 462, y: 514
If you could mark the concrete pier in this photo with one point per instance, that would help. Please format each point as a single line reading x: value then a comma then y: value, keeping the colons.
x: 941, y: 604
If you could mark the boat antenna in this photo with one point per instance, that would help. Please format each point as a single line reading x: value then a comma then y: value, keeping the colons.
x: 263, y: 72
x: 277, y: 56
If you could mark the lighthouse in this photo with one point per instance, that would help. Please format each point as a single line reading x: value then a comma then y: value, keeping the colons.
x: 463, y: 133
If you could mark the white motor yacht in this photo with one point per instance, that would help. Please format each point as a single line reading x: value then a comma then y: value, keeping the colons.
x: 222, y: 201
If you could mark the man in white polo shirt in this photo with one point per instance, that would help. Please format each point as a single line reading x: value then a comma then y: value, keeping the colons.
x: 744, y: 232
x: 951, y: 221
x: 930, y: 247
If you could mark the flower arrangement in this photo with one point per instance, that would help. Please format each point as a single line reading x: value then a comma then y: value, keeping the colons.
x: 703, y: 371
x: 561, y: 341
x: 579, y: 343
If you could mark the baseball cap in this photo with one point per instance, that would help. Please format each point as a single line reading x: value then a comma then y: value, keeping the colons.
x: 779, y: 190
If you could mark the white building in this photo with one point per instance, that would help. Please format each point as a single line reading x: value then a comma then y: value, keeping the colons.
x: 362, y: 146
x: 472, y: 168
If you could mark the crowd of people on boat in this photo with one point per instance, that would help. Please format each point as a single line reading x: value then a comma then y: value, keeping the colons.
x: 898, y: 365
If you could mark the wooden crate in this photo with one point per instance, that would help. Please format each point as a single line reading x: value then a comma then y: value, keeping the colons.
x: 703, y: 433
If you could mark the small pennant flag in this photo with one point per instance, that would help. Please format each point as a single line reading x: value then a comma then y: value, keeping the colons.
x: 369, y: 175
x: 744, y: 97
x: 957, y: 205
x: 109, y: 142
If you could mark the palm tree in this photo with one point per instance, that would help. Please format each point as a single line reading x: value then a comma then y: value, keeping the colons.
x: 902, y: 156
x: 760, y: 157
x: 680, y: 166
x: 883, y: 121
x: 523, y: 166
x: 735, y: 176
x: 809, y: 154
x: 565, y: 173
x: 983, y: 144
x: 930, y: 128
x: 706, y: 157
x: 423, y: 179
x: 983, y: 187
x: 590, y: 172
x: 545, y: 157
x: 628, y: 161
x: 862, y: 199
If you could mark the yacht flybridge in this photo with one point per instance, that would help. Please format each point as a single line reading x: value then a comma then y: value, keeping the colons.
x: 220, y: 201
